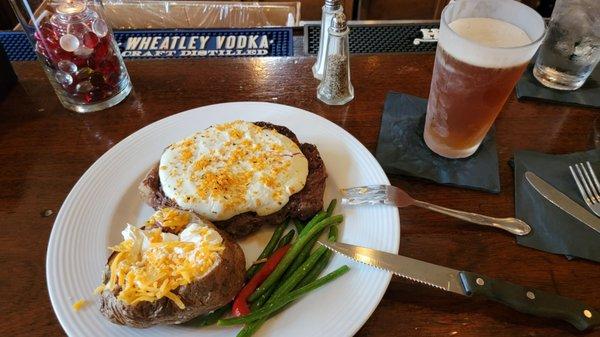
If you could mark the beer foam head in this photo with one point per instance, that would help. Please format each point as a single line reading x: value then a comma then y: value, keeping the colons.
x: 490, y: 33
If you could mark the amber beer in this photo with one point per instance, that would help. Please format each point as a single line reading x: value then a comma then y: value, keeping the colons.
x: 478, y: 61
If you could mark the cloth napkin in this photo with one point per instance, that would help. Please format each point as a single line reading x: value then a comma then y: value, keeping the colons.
x: 401, y: 149
x: 553, y: 230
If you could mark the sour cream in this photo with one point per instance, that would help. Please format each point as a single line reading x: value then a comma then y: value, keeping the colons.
x: 233, y: 168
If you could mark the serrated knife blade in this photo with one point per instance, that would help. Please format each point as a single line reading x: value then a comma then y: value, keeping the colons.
x: 524, y: 299
x: 420, y: 271
x: 562, y: 201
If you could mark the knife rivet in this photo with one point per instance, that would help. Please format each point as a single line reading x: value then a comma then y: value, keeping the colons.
x: 587, y: 313
x: 480, y: 281
x: 530, y: 295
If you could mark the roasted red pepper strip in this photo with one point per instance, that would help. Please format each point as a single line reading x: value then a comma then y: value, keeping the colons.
x: 240, y: 305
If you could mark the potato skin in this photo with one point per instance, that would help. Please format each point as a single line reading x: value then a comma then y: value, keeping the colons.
x: 202, y: 296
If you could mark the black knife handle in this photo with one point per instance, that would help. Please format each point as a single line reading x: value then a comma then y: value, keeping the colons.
x: 531, y: 301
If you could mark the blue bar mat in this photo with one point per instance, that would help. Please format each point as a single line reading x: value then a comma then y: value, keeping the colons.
x: 184, y: 43
x: 384, y: 37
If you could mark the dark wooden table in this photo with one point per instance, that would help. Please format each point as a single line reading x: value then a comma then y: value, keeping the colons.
x: 44, y: 149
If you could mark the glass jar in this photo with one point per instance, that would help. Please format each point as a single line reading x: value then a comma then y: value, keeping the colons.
x: 78, y: 52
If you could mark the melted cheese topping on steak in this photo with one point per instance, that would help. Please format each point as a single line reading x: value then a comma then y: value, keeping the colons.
x: 150, y: 264
x: 233, y: 168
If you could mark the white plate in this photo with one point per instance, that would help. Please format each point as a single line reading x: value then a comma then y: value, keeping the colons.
x: 105, y: 198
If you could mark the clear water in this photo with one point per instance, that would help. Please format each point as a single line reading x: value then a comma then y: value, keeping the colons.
x: 571, y: 48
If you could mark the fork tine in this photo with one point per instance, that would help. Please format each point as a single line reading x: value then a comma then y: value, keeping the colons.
x: 358, y: 197
x: 579, y: 186
x: 371, y: 194
x: 364, y: 190
x: 591, y: 199
x: 367, y: 201
x: 593, y: 174
x: 591, y: 183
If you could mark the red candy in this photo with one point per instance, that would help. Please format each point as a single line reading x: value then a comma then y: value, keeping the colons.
x: 58, y: 54
x: 101, y: 50
x: 113, y: 79
x: 109, y: 66
x: 90, y: 40
x: 94, y: 96
x: 46, y: 35
x: 99, y: 65
x: 79, y: 61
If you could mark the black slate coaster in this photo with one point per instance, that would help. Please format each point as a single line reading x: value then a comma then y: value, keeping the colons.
x: 553, y: 230
x: 588, y: 95
x: 401, y: 149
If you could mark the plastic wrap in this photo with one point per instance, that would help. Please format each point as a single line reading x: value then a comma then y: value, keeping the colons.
x: 140, y: 14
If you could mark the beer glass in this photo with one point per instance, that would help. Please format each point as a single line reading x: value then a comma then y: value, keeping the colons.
x: 571, y: 48
x: 483, y: 48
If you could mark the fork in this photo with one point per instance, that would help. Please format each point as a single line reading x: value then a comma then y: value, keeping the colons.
x: 391, y: 195
x: 588, y: 185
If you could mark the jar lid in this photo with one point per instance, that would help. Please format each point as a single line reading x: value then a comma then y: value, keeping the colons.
x: 71, y: 7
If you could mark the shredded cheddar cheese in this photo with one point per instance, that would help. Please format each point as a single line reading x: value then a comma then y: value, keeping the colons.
x: 79, y: 305
x: 170, y: 218
x: 154, y: 264
x: 233, y: 168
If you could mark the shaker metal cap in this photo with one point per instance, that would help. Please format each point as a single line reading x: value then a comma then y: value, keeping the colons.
x: 333, y: 4
x: 338, y: 22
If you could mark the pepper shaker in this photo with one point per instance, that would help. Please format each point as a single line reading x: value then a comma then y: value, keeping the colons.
x: 335, y: 88
x: 330, y: 8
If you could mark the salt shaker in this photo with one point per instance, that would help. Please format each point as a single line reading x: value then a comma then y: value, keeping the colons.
x: 335, y: 88
x: 330, y: 8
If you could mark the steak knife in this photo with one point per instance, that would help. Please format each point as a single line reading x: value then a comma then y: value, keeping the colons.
x: 562, y: 201
x: 523, y: 299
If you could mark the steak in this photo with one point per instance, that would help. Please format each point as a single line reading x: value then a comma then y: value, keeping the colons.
x: 302, y: 205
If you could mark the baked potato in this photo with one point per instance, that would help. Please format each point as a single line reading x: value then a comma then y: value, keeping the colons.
x: 136, y: 292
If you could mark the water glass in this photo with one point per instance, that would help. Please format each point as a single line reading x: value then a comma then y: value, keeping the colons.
x: 571, y: 48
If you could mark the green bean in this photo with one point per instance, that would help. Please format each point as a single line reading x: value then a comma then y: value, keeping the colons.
x: 286, y: 239
x: 297, y: 263
x: 279, y: 303
x: 299, y: 225
x: 210, y: 318
x: 331, y: 206
x: 316, y: 219
x: 292, y: 253
x: 304, y: 253
x: 316, y: 269
x: 333, y: 233
x: 323, y: 261
x: 264, y: 297
x: 269, y: 248
x: 321, y: 215
x: 297, y: 276
x: 250, y: 329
